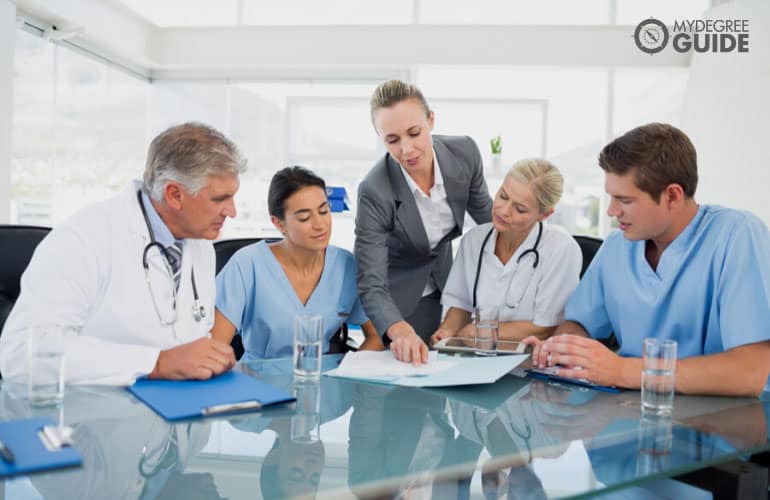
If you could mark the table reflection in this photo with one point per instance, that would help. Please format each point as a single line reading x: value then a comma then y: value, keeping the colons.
x: 294, y: 464
x: 397, y: 432
x: 128, y: 451
x: 624, y: 445
x: 495, y: 441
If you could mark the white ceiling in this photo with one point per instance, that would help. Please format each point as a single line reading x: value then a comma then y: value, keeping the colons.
x: 175, y: 13
x: 222, y: 39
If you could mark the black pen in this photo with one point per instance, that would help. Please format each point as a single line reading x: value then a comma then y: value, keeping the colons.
x: 6, y: 453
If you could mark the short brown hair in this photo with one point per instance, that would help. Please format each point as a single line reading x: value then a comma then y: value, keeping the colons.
x: 392, y: 92
x: 659, y: 154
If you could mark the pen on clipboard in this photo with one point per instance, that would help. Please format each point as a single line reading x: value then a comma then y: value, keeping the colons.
x: 231, y: 407
x: 6, y: 453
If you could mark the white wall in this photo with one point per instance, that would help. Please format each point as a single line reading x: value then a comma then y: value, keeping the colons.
x: 7, y: 46
x: 727, y: 115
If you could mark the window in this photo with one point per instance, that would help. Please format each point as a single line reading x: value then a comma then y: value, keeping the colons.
x: 81, y: 128
x: 322, y: 126
x: 644, y: 95
x: 32, y: 122
x: 79, y: 131
x: 570, y: 132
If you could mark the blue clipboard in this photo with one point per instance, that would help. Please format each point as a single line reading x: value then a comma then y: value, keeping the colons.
x: 544, y: 375
x: 29, y: 453
x: 231, y: 392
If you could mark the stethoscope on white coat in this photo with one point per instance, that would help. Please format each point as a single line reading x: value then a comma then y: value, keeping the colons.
x: 198, y: 311
x: 532, y: 251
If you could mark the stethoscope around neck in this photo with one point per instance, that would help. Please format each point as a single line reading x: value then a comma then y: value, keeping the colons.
x: 532, y: 251
x: 198, y: 310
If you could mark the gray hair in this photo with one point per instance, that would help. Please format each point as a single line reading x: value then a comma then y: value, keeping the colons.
x: 392, y: 92
x: 543, y: 177
x: 188, y: 154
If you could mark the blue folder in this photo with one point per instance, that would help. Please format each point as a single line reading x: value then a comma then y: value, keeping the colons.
x: 552, y: 377
x: 30, y: 454
x: 231, y: 392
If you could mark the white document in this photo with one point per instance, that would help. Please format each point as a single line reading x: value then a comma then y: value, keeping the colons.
x: 382, y: 364
x: 440, y: 371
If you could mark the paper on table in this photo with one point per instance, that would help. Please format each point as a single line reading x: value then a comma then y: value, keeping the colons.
x: 441, y: 371
x: 382, y: 364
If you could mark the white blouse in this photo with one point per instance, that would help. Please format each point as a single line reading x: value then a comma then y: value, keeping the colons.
x: 521, y: 291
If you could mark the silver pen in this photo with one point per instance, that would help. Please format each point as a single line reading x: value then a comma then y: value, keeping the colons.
x: 231, y: 407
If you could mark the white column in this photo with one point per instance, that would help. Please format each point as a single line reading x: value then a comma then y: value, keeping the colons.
x: 7, y: 48
x: 727, y: 115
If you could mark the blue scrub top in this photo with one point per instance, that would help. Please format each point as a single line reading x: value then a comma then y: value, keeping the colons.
x: 255, y: 295
x: 710, y: 292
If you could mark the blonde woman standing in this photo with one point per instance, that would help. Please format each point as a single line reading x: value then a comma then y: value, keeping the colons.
x: 411, y: 205
x: 517, y: 263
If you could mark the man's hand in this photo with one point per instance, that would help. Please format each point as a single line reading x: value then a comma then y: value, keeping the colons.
x: 581, y: 357
x: 406, y: 345
x: 200, y: 359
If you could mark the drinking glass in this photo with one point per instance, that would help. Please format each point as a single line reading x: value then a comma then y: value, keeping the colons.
x: 45, y: 364
x: 485, y: 321
x: 658, y: 373
x: 307, y: 346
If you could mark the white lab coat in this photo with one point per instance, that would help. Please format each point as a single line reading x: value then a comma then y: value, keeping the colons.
x: 87, y: 273
x: 536, y: 294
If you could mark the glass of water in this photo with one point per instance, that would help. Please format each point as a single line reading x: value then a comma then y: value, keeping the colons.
x: 307, y: 346
x: 658, y: 376
x: 45, y: 364
x: 485, y: 321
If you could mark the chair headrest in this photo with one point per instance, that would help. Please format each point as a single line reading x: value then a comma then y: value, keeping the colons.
x: 18, y: 244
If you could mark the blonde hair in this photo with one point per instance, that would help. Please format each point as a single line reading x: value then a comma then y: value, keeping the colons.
x: 392, y: 92
x: 545, y: 179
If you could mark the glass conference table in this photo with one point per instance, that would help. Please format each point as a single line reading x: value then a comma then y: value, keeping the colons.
x: 518, y: 438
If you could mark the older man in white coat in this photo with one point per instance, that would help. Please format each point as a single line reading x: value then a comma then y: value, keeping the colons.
x: 133, y: 277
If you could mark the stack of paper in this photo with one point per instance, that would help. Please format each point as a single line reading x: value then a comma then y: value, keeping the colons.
x: 382, y: 364
x: 440, y: 370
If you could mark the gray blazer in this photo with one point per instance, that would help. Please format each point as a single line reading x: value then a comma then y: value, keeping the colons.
x: 392, y: 252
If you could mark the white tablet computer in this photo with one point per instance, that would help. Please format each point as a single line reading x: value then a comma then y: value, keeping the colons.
x: 468, y: 345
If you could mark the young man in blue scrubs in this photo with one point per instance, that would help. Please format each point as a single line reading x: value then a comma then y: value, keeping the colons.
x: 697, y: 274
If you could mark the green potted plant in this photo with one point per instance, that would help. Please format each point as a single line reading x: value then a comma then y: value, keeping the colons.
x: 496, y: 145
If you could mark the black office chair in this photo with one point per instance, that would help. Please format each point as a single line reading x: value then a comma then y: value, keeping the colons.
x: 18, y: 244
x: 225, y: 249
x: 588, y: 246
